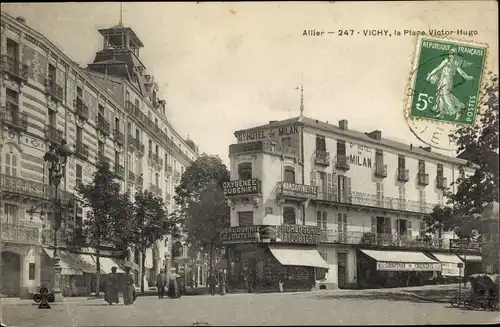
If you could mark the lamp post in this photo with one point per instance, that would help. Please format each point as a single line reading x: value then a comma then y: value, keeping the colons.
x: 57, y: 157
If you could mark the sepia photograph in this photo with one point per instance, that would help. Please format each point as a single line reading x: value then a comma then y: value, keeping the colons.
x: 249, y: 163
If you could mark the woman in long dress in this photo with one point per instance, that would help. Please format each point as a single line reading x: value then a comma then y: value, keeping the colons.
x: 128, y: 287
x: 173, y: 287
x: 446, y: 103
x: 111, y: 291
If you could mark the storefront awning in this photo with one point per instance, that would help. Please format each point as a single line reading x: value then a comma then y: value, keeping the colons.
x: 402, y: 261
x: 108, y: 263
x: 471, y: 258
x: 68, y: 262
x: 298, y: 256
x: 449, y: 264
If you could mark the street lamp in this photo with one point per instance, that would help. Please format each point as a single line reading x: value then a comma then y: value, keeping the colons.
x: 57, y: 157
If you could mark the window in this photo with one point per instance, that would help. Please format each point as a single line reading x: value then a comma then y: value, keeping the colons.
x: 289, y: 216
x: 137, y: 135
x: 117, y: 124
x: 382, y: 225
x: 52, y: 73
x: 341, y: 148
x: 100, y: 148
x: 31, y: 273
x: 286, y: 143
x: 12, y: 97
x: 342, y: 225
x: 403, y: 227
x: 245, y: 218
x: 12, y: 49
x: 157, y: 150
x: 137, y: 103
x: 11, y: 213
x: 320, y: 143
x: 138, y: 166
x: 423, y: 229
x: 244, y: 170
x: 421, y: 166
x: 79, y: 175
x: 130, y: 163
x: 402, y: 197
x: 322, y: 219
x: 401, y: 162
x: 440, y: 172
x: 289, y: 175
x: 379, y: 158
x: 79, y: 92
x: 52, y: 118
x: 166, y: 160
x: 344, y: 188
x: 101, y: 110
x: 156, y: 122
x: 177, y: 250
x: 380, y: 191
x: 79, y: 133
x: 150, y: 146
x: 10, y: 164
x: 117, y: 158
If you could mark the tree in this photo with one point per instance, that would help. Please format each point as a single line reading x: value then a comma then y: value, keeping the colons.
x: 150, y: 223
x: 105, y: 221
x: 203, y: 210
x: 478, y: 144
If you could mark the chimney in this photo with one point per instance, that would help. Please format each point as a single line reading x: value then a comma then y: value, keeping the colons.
x: 343, y: 124
x: 426, y: 148
x: 21, y: 19
x: 273, y: 121
x: 376, y: 135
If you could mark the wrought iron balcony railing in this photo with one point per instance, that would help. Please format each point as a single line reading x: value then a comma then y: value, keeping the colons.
x: 119, y: 137
x: 64, y: 237
x: 131, y: 177
x: 322, y: 158
x: 15, y: 68
x: 380, y: 170
x: 103, y: 125
x: 15, y: 119
x: 82, y: 151
x: 423, y: 179
x: 403, y: 175
x: 53, y: 135
x: 441, y: 182
x: 54, y: 89
x: 19, y: 234
x: 119, y: 171
x: 130, y: 107
x: 102, y: 159
x: 342, y: 162
x: 82, y: 110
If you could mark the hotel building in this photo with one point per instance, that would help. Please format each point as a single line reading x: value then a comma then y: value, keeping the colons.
x: 319, y: 205
x: 109, y: 111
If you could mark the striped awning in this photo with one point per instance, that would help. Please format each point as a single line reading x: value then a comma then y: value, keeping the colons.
x: 289, y: 255
x: 68, y: 262
x: 402, y: 261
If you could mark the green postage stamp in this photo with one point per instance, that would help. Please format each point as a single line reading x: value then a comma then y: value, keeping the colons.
x: 446, y: 80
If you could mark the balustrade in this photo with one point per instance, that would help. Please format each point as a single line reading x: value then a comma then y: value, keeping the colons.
x: 342, y: 162
x: 322, y: 158
x: 14, y: 67
x: 54, y: 89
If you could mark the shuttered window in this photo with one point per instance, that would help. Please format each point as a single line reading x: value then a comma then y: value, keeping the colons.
x: 289, y: 216
x: 245, y: 218
x: 289, y: 174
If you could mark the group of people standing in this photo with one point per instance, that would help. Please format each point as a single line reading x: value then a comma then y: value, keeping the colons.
x: 169, y: 283
x: 116, y: 283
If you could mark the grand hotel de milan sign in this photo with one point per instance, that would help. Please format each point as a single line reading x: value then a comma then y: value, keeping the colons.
x: 294, y: 234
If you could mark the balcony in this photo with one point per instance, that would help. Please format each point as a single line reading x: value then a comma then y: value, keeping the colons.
x: 119, y: 171
x: 64, y: 237
x: 19, y: 234
x: 53, y: 135
x: 441, y: 182
x: 131, y: 177
x: 15, y: 68
x: 296, y: 191
x: 342, y: 162
x: 423, y: 179
x: 322, y: 158
x: 102, y: 159
x: 81, y: 109
x: 54, y: 90
x: 380, y: 170
x: 15, y: 119
x: 155, y: 158
x: 370, y: 200
x: 168, y: 170
x: 140, y: 148
x: 369, y: 239
x: 82, y: 151
x: 132, y: 143
x: 103, y: 125
x: 130, y: 107
x: 119, y: 137
x: 403, y: 175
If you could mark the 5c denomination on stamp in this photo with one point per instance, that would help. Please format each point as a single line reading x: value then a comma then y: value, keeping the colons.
x: 443, y: 88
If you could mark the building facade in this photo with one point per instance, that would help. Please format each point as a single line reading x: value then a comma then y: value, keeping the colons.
x: 337, y: 207
x: 109, y: 111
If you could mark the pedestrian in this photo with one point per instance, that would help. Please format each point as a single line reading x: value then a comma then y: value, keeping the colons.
x: 128, y: 287
x: 173, y: 286
x: 212, y: 282
x: 161, y: 281
x: 112, y: 284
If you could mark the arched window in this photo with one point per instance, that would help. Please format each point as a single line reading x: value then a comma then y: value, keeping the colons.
x: 245, y: 170
x: 177, y: 250
x: 11, y: 163
x: 289, y: 215
x: 289, y: 174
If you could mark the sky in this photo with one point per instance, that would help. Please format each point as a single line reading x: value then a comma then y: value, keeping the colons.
x: 223, y: 67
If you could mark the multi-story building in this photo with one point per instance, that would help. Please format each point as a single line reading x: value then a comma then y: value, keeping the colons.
x: 306, y: 193
x: 110, y: 111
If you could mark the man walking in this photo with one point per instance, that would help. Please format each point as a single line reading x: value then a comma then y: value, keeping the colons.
x: 161, y: 280
x: 212, y: 283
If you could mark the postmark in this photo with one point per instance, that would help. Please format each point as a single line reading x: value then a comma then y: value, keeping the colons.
x: 443, y: 88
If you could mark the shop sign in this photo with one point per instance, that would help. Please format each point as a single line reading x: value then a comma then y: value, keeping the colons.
x: 451, y: 269
x: 465, y: 244
x: 21, y: 186
x: 298, y: 190
x: 404, y: 266
x: 242, y: 187
x: 272, y: 133
x: 248, y: 234
x: 298, y: 234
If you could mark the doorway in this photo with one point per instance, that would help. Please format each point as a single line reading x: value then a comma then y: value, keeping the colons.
x: 10, y: 277
x: 342, y: 269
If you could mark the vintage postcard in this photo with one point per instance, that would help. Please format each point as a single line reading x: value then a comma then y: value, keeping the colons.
x: 249, y: 163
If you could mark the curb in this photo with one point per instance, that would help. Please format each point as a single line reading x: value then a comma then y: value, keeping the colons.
x: 425, y: 299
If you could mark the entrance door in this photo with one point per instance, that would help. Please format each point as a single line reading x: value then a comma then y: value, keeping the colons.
x: 10, y: 278
x: 342, y: 269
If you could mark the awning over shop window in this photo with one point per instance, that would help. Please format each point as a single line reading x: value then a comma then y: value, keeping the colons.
x: 108, y: 263
x: 449, y: 264
x: 471, y: 258
x: 68, y: 262
x: 403, y: 261
x: 298, y: 256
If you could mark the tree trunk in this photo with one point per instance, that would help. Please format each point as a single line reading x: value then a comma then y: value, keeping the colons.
x: 210, y: 258
x: 143, y: 269
x: 98, y: 272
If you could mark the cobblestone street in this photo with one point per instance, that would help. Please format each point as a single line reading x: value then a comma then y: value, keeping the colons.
x: 313, y: 308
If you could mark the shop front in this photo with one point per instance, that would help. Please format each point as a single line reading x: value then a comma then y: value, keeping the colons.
x: 452, y: 267
x: 272, y: 258
x: 377, y: 268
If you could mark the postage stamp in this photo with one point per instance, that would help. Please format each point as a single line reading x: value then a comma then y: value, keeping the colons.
x: 444, y: 87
